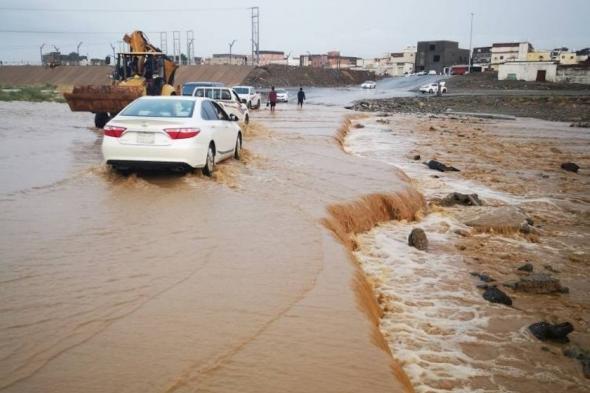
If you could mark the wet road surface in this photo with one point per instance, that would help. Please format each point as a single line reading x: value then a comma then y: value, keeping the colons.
x: 167, y: 283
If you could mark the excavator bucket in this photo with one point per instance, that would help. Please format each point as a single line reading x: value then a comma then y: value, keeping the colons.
x: 108, y: 99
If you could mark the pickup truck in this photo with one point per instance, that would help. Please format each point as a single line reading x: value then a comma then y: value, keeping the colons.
x: 248, y: 96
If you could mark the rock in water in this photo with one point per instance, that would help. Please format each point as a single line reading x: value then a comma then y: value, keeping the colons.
x: 439, y: 166
x: 527, y: 267
x: 456, y: 198
x: 570, y: 166
x: 494, y: 295
x: 545, y: 331
x: 539, y: 283
x: 418, y: 239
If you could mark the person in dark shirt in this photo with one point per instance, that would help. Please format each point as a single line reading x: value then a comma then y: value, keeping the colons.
x: 300, y: 97
x: 272, y: 97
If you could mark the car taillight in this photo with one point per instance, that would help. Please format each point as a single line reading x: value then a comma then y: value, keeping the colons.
x: 182, y: 133
x: 113, y: 131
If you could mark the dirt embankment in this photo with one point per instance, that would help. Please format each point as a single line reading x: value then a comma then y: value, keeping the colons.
x: 489, y: 81
x: 277, y: 75
x: 550, y: 107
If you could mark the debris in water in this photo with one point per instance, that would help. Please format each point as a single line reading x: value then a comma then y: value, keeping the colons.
x: 495, y: 295
x: 418, y: 239
x: 570, y: 167
x: 439, y: 166
x: 359, y: 125
x: 540, y: 283
x: 416, y: 157
x: 545, y: 331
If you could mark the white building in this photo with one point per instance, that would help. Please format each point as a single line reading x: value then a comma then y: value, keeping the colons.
x: 509, y: 51
x: 540, y: 71
x: 392, y: 64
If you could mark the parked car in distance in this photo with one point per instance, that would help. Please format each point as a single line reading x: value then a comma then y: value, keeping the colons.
x: 248, y: 96
x: 174, y: 132
x: 432, y: 72
x: 432, y: 88
x: 282, y: 95
x: 368, y: 85
x: 189, y: 87
x: 420, y: 73
x: 228, y: 98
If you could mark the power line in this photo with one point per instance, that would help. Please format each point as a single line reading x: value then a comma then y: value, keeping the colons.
x: 139, y: 10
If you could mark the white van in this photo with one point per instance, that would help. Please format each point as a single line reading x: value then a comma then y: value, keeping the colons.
x: 227, y: 98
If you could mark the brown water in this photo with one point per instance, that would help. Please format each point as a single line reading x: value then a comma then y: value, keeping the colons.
x: 436, y: 322
x: 167, y: 283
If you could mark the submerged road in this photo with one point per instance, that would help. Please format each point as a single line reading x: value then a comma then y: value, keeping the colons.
x: 163, y: 283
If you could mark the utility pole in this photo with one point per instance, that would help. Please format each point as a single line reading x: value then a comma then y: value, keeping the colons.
x: 114, y: 55
x: 231, y: 44
x: 470, y: 42
x: 41, y: 52
x: 255, y: 35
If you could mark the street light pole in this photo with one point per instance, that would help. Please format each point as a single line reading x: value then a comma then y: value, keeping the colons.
x: 231, y: 44
x: 78, y: 51
x: 470, y: 42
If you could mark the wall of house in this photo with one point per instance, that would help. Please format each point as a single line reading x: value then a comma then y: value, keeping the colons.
x: 567, y: 58
x: 527, y: 71
x: 539, y: 56
x: 574, y: 74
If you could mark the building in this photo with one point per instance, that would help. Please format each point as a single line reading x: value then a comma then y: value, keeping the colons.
x: 555, y: 53
x: 583, y: 55
x: 331, y: 59
x: 437, y: 55
x: 226, y: 58
x: 482, y: 57
x: 539, y: 55
x: 568, y: 58
x: 509, y: 51
x: 271, y: 57
x: 540, y: 71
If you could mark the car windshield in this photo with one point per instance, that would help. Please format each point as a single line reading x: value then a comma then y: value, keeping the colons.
x: 241, y: 90
x: 281, y: 91
x: 160, y: 108
x: 368, y: 82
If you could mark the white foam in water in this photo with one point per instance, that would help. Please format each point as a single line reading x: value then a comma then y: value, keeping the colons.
x: 431, y: 308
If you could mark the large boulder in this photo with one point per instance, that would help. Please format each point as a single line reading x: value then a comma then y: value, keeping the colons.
x: 545, y: 331
x: 456, y: 198
x: 495, y: 295
x: 418, y: 239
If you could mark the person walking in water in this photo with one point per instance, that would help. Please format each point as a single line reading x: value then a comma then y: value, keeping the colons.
x: 272, y: 97
x: 300, y: 97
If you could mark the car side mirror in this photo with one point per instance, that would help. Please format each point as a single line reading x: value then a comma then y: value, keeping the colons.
x: 244, y: 101
x: 233, y: 117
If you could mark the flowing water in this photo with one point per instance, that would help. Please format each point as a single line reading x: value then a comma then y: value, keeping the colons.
x: 437, y: 324
x: 170, y: 283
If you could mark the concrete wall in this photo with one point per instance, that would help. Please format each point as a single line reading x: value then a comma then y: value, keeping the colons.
x: 527, y: 71
x: 574, y: 74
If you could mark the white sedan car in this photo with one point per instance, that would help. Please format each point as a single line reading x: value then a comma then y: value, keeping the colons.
x: 369, y: 85
x: 432, y: 88
x: 176, y: 132
x: 282, y: 95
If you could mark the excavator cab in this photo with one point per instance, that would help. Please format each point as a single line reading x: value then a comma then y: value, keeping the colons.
x: 144, y: 70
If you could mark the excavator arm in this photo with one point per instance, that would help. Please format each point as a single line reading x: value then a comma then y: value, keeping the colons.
x: 138, y: 42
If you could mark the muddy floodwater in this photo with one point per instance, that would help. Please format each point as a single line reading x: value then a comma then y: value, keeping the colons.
x: 169, y: 283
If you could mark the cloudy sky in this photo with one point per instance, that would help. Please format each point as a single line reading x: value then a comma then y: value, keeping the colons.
x: 364, y: 28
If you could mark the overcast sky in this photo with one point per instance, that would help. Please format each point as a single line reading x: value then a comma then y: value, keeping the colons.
x: 364, y: 28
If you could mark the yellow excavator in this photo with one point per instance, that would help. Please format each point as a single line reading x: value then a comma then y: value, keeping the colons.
x: 144, y: 70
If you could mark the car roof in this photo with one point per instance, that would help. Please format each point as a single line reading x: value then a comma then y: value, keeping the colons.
x: 169, y: 98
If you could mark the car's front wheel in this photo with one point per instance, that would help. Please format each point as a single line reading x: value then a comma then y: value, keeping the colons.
x: 210, y: 163
x: 238, y: 148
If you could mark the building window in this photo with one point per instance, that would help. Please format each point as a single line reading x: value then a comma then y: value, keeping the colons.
x: 541, y: 57
x: 571, y: 57
x: 432, y: 47
x: 436, y: 58
x: 501, y: 57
